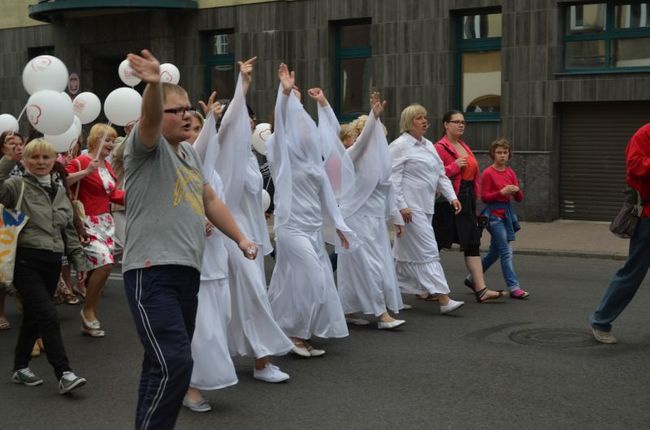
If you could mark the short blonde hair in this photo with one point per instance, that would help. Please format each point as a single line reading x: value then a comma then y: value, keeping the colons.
x: 196, y: 114
x: 347, y: 130
x: 360, y: 123
x: 408, y: 115
x: 38, y: 146
x: 96, y: 132
x: 169, y: 88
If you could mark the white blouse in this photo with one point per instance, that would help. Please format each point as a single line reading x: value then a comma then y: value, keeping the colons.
x: 417, y: 173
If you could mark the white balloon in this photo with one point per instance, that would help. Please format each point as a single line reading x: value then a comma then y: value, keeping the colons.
x: 63, y: 142
x: 8, y: 123
x: 87, y: 107
x: 45, y: 72
x: 169, y: 73
x: 50, y: 112
x: 127, y: 75
x: 266, y: 200
x: 260, y: 136
x: 122, y: 106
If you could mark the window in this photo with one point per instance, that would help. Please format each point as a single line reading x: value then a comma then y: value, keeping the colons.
x: 607, y: 36
x: 478, y: 65
x: 220, y: 64
x: 353, y: 75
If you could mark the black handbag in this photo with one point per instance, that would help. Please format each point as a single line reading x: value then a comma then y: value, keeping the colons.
x: 624, y: 224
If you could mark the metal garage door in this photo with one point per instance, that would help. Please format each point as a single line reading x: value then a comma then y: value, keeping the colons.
x: 593, y: 137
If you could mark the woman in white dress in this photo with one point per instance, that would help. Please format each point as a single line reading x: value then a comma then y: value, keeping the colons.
x: 366, y: 276
x: 417, y: 175
x: 252, y: 331
x: 213, y: 368
x: 302, y: 291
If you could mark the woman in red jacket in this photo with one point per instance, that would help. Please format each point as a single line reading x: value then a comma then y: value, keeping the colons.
x: 96, y: 187
x: 462, y: 169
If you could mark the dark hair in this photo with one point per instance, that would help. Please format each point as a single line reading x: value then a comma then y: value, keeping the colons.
x: 4, y: 135
x: 447, y: 117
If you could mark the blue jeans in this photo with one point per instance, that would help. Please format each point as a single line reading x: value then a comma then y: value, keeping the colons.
x: 500, y: 249
x: 626, y: 281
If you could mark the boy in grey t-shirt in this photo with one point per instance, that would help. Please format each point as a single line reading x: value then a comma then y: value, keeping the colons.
x: 167, y: 199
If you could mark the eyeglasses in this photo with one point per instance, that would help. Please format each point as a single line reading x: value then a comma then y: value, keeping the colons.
x: 458, y: 122
x: 181, y: 111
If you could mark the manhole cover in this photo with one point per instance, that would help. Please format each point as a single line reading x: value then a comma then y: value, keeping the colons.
x: 552, y: 337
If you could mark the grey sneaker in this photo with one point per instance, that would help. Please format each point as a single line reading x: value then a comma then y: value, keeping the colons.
x: 26, y: 377
x: 603, y: 336
x: 69, y: 381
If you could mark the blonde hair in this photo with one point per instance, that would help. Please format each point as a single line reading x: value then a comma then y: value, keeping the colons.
x: 96, y: 132
x: 347, y: 130
x: 408, y: 115
x: 38, y: 146
x: 196, y: 114
x: 360, y: 123
x: 169, y: 88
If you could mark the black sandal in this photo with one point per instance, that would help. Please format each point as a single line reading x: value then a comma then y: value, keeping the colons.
x: 481, y: 295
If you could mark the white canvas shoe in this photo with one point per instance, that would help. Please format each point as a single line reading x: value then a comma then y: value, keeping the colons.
x: 271, y: 374
x: 453, y: 305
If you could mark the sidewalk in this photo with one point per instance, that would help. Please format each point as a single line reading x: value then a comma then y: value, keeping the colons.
x: 567, y: 238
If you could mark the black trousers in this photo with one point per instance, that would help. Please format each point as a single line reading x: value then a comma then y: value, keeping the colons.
x: 36, y: 275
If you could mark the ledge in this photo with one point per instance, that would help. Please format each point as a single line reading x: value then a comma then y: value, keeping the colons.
x: 54, y: 10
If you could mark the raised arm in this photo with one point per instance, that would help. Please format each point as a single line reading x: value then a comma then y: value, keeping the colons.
x: 147, y: 68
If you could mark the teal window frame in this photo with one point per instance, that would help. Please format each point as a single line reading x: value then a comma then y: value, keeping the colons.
x: 215, y: 60
x: 610, y: 35
x: 341, y: 54
x: 474, y: 45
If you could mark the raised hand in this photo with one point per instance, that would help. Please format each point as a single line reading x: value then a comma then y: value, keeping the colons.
x: 145, y: 67
x: 246, y: 68
x: 318, y: 95
x: 378, y: 105
x: 8, y: 147
x: 288, y: 79
x: 211, y: 106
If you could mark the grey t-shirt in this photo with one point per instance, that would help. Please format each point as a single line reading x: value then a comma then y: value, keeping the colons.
x: 164, y: 205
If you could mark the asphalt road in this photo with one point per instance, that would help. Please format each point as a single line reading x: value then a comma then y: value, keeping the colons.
x: 509, y: 365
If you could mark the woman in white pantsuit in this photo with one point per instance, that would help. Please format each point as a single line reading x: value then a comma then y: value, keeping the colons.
x: 417, y: 175
x: 302, y: 291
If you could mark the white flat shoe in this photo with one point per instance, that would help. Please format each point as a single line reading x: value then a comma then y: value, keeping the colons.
x: 313, y: 352
x: 356, y: 321
x: 387, y: 325
x: 199, y: 406
x: 453, y: 305
x: 406, y: 307
x: 300, y: 351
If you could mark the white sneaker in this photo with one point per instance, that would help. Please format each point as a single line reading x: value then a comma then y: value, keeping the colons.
x: 271, y: 374
x: 406, y: 307
x: 313, y: 352
x: 69, y: 381
x: 387, y: 325
x: 451, y: 306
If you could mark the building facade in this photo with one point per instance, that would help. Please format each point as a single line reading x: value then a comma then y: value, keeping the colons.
x: 568, y: 82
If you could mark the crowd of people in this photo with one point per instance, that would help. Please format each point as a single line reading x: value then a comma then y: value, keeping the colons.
x: 194, y: 233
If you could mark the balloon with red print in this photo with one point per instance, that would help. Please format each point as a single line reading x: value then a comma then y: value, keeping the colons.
x: 122, y: 106
x: 63, y: 142
x: 45, y: 72
x: 49, y: 112
x: 127, y: 75
x: 169, y: 73
x: 87, y: 107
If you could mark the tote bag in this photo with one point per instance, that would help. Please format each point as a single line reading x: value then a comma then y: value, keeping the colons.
x: 11, y: 223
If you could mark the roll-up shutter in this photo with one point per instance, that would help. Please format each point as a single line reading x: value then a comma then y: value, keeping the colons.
x: 593, y: 137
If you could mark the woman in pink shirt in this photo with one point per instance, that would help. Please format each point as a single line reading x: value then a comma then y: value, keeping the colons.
x: 499, y: 185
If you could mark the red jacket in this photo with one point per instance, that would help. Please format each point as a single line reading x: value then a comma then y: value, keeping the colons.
x: 92, y: 193
x: 449, y: 155
x: 637, y: 159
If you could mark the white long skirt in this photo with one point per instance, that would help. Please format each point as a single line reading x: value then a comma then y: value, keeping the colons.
x: 417, y: 261
x: 252, y: 330
x: 302, y: 291
x: 367, y: 281
x: 213, y: 368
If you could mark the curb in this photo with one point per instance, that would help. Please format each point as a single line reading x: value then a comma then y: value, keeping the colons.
x: 574, y: 254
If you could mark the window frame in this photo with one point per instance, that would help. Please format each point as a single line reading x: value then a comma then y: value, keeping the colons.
x: 609, y: 36
x: 486, y: 44
x: 341, y: 54
x: 212, y: 60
